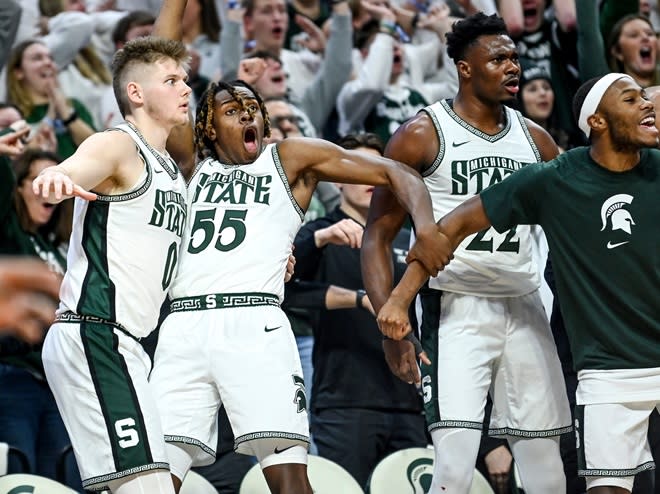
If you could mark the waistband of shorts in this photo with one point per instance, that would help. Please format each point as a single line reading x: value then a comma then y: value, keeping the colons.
x: 223, y: 301
x: 72, y: 317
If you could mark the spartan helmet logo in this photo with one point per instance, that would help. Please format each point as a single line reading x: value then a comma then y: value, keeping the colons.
x: 420, y: 473
x: 300, y: 397
x: 621, y: 218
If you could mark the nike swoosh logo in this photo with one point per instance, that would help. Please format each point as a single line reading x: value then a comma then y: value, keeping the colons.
x: 278, y: 451
x: 610, y: 245
x: 157, y: 170
x: 457, y: 144
x: 268, y: 330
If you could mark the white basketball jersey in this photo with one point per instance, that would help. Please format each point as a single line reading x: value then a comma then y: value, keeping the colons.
x: 487, y: 263
x: 242, y: 222
x: 124, y: 248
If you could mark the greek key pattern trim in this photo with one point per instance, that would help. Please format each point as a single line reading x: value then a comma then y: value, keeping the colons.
x: 269, y: 435
x: 192, y: 441
x: 593, y: 472
x: 458, y: 424
x: 223, y: 301
x: 507, y: 431
x: 98, y: 483
x: 70, y: 317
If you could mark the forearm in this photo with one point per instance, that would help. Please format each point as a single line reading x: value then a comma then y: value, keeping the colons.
x: 466, y: 219
x: 377, y: 269
x: 231, y: 41
x: 413, y: 279
x: 337, y: 297
x: 320, y: 96
x: 168, y: 22
x: 10, y: 16
x: 414, y: 197
x: 68, y: 33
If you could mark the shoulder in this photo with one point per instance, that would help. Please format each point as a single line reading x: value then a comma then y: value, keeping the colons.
x: 415, y: 142
x: 543, y: 140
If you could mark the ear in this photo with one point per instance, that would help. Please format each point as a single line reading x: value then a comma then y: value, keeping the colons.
x: 210, y: 133
x: 19, y: 74
x: 615, y: 51
x: 463, y: 69
x: 134, y: 93
x: 597, y: 122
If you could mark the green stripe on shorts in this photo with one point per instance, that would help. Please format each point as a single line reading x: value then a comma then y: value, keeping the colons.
x: 119, y: 403
x: 430, y: 300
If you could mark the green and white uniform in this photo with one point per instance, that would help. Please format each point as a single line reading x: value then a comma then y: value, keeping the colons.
x: 482, y: 319
x: 225, y: 322
x: 602, y: 230
x: 121, y: 261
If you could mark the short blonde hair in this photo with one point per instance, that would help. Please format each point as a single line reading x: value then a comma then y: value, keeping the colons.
x: 142, y: 51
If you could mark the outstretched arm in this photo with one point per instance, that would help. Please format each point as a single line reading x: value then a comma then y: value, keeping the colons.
x: 96, y: 164
x: 309, y: 160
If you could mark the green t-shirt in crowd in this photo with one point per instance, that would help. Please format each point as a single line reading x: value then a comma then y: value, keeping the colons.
x: 603, y: 230
x: 65, y: 145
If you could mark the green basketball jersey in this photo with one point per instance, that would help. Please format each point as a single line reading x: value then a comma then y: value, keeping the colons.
x: 603, y: 233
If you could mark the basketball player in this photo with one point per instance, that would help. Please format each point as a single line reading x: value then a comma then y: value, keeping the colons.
x: 598, y: 208
x: 246, y: 202
x: 482, y: 320
x: 121, y: 261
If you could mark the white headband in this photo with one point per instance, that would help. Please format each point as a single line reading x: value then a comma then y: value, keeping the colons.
x: 594, y: 96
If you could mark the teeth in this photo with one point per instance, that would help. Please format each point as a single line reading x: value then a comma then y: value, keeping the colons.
x: 648, y: 121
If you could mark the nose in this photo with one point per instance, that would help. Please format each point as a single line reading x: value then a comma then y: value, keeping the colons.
x: 186, y: 89
x: 513, y: 67
x: 247, y: 115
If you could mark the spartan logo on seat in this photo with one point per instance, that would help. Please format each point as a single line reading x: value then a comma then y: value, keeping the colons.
x: 299, y: 398
x: 419, y: 474
x: 612, y: 213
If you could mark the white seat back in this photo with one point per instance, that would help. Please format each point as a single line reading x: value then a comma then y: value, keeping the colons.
x: 194, y: 483
x: 410, y: 471
x: 33, y: 484
x: 325, y: 476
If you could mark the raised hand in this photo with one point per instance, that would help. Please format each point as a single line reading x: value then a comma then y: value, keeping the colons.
x: 12, y: 144
x: 315, y: 40
x: 251, y: 69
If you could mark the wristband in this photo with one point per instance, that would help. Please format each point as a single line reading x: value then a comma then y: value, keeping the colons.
x: 72, y: 118
x: 359, y: 296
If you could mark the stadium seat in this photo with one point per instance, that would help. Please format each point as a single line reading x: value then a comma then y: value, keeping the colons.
x: 34, y: 484
x: 325, y: 476
x: 194, y: 483
x: 410, y: 471
x: 7, y: 452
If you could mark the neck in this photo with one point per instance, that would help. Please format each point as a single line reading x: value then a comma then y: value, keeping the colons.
x: 154, y: 133
x: 38, y: 98
x: 485, y: 116
x: 612, y: 160
x: 275, y: 50
x: 357, y: 214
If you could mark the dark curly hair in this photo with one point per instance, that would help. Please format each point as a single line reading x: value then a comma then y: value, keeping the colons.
x: 204, y: 117
x: 464, y: 33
